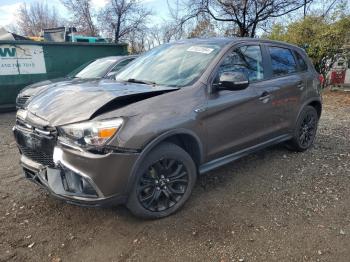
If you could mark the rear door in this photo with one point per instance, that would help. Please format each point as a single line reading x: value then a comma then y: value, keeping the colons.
x: 307, y: 74
x: 284, y: 88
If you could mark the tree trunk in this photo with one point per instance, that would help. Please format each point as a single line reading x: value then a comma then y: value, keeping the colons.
x: 243, y: 32
x: 117, y: 30
x: 253, y: 31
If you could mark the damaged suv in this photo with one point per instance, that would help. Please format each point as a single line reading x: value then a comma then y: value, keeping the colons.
x: 179, y: 110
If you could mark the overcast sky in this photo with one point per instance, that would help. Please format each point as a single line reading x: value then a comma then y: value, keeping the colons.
x: 8, y: 8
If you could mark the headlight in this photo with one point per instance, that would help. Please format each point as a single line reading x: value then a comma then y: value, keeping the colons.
x: 95, y: 133
x: 22, y: 114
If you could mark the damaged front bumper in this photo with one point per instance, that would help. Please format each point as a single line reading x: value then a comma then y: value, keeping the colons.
x: 75, y: 175
x: 54, y: 180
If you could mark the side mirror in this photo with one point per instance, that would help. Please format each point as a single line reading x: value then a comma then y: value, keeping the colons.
x: 233, y: 81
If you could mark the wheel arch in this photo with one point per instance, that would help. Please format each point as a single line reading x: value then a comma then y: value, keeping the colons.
x: 318, y: 106
x: 315, y: 102
x: 183, y: 138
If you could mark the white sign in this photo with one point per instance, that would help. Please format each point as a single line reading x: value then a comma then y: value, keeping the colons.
x: 22, y: 60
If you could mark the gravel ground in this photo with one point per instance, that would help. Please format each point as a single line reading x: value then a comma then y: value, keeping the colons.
x: 274, y: 205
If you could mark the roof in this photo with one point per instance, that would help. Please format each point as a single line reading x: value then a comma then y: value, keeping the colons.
x: 222, y: 41
x: 116, y: 58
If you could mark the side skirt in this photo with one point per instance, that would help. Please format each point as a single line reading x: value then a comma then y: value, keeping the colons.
x: 206, y: 167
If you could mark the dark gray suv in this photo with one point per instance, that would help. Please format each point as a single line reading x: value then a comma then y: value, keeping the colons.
x: 179, y: 110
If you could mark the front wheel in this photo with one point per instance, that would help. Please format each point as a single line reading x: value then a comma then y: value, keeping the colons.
x: 163, y: 182
x: 305, y: 130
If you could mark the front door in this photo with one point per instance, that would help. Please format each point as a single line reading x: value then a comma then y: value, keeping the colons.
x: 233, y: 119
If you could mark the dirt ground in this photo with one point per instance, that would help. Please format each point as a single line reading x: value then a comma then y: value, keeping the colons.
x: 274, y: 205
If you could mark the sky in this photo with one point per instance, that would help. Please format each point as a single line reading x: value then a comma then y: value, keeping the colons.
x: 8, y: 9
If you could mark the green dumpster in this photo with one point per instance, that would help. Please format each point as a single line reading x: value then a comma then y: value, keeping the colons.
x: 25, y: 62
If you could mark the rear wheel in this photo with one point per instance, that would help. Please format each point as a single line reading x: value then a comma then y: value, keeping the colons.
x: 164, y: 182
x: 305, y: 130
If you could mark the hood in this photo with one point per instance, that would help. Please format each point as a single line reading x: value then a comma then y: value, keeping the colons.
x: 78, y: 102
x: 39, y: 87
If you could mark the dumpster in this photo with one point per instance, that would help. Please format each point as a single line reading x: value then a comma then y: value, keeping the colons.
x: 25, y: 62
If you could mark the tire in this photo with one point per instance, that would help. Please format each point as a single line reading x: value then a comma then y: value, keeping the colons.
x: 164, y: 182
x: 305, y: 130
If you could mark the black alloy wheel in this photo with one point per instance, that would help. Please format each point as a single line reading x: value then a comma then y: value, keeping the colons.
x: 305, y: 130
x: 163, y: 184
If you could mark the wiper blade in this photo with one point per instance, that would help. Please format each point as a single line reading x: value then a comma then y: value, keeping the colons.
x: 133, y: 80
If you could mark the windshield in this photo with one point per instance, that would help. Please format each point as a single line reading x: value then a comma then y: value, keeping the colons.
x: 97, y: 69
x: 177, y: 64
x: 78, y: 69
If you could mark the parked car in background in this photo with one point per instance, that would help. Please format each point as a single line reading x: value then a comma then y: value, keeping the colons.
x: 106, y: 67
x: 179, y: 110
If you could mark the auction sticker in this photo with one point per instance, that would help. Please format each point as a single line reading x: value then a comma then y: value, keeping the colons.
x: 200, y: 49
x: 22, y: 60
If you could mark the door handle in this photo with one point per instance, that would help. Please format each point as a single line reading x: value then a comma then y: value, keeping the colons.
x: 200, y: 110
x: 300, y: 85
x: 265, y: 97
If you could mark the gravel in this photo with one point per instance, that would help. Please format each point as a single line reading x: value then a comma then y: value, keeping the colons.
x: 274, y: 205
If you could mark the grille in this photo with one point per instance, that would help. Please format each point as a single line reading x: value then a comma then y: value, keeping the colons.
x: 38, y: 156
x: 22, y: 100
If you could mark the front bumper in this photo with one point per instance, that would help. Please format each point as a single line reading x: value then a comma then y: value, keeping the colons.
x: 107, y: 175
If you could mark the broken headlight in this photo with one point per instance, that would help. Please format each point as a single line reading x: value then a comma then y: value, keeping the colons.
x: 94, y: 133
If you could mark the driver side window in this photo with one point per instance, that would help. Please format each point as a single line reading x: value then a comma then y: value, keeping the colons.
x: 244, y: 59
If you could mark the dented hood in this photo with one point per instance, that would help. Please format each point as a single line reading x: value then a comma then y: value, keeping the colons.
x: 79, y: 102
x: 42, y: 86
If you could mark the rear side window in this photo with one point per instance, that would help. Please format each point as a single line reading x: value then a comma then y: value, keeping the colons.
x: 301, y: 62
x: 282, y: 61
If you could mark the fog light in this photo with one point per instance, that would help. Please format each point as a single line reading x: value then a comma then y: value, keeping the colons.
x: 76, y: 184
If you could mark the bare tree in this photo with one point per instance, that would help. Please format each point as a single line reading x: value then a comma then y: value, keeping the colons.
x: 326, y: 7
x: 177, y: 27
x: 203, y: 28
x: 139, y: 42
x: 156, y: 36
x: 123, y: 17
x: 329, y: 7
x: 82, y: 15
x: 305, y: 8
x: 165, y: 32
x: 33, y: 19
x: 245, y: 15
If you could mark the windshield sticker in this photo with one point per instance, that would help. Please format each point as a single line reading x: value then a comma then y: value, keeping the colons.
x: 200, y: 49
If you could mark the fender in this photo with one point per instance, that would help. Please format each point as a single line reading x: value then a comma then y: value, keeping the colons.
x: 156, y: 141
